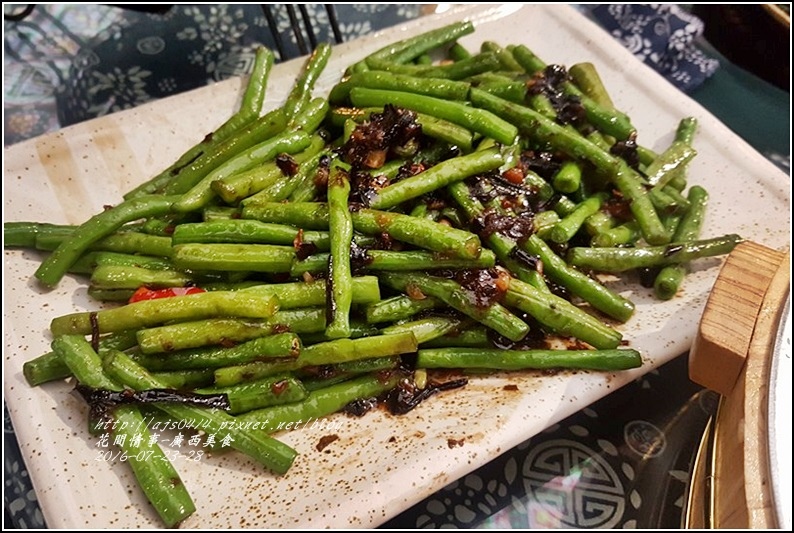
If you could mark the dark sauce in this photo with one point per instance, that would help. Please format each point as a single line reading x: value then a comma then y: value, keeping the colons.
x: 101, y: 402
x: 93, y: 319
x: 627, y: 150
x: 541, y: 163
x: 406, y: 396
x: 394, y: 132
x: 287, y: 164
x: 325, y: 442
x: 549, y: 83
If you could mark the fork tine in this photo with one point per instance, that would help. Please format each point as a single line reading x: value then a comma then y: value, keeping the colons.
x: 334, y: 22
x: 296, y: 29
x: 271, y: 22
x: 307, y: 22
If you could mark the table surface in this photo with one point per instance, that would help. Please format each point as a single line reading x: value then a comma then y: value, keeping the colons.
x: 623, y: 462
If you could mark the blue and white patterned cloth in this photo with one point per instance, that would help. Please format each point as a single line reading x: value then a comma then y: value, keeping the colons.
x: 663, y: 37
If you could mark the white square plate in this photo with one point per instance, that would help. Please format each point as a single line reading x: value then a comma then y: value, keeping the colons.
x: 381, y: 464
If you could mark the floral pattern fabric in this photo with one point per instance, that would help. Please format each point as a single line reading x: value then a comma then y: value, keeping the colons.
x: 663, y: 37
x: 69, y: 63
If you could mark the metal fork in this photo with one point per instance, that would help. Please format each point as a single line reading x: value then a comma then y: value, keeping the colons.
x: 298, y: 26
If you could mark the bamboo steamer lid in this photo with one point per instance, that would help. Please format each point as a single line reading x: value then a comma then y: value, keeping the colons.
x: 742, y: 475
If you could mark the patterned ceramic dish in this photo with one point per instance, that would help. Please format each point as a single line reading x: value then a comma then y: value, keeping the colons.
x: 380, y: 464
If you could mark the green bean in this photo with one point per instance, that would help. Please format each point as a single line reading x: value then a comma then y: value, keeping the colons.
x: 497, y: 359
x: 247, y: 231
x: 425, y: 329
x: 111, y: 277
x: 306, y: 215
x: 301, y: 91
x: 132, y: 242
x: 227, y: 376
x: 685, y: 132
x: 24, y: 234
x: 364, y: 289
x: 185, y: 379
x: 622, y: 259
x: 398, y: 308
x: 669, y: 278
x: 586, y: 77
x: 231, y: 189
x: 201, y: 193
x: 233, y: 257
x: 83, y: 362
x: 254, y: 96
x: 265, y: 392
x: 278, y: 345
x: 641, y: 204
x: 495, y: 316
x: 599, y: 222
x: 320, y: 403
x: 420, y: 260
x: 459, y: 70
x: 358, y: 328
x: 457, y: 52
x: 311, y: 116
x: 568, y: 179
x: 110, y: 295
x: 55, y: 266
x: 45, y: 368
x: 502, y: 246
x: 259, y: 131
x: 514, y: 91
x: 478, y: 120
x: 436, y: 177
x: 423, y: 233
x: 444, y: 130
x: 544, y: 222
x: 375, y: 260
x: 505, y: 56
x: 527, y: 59
x: 566, y: 228
x: 282, y: 188
x: 439, y: 88
x: 668, y: 204
x: 124, y: 259
x: 155, y: 474
x: 583, y: 286
x: 147, y: 313
x: 472, y: 336
x: 221, y: 331
x: 620, y: 235
x: 340, y: 277
x: 604, y: 117
x: 344, y: 350
x: 420, y: 232
x: 669, y: 163
x: 212, y: 213
x: 298, y: 185
x: 408, y: 49
x: 560, y: 316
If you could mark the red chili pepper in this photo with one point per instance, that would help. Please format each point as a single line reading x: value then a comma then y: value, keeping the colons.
x: 144, y: 293
x: 514, y: 175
